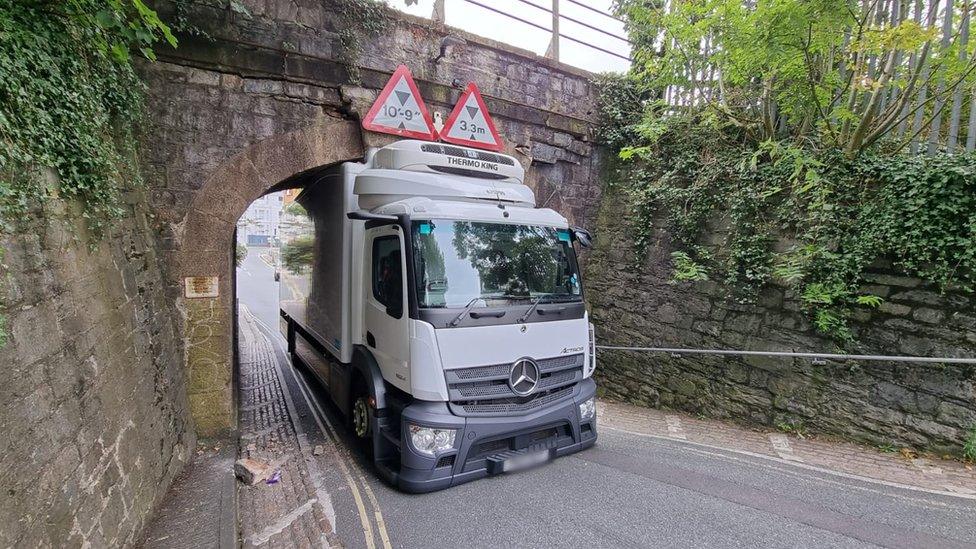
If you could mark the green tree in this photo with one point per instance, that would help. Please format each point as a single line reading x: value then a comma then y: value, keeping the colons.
x: 847, y: 73
x: 240, y: 254
x: 298, y: 254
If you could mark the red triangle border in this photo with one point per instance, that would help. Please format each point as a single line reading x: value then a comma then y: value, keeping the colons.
x: 499, y: 146
x: 368, y: 124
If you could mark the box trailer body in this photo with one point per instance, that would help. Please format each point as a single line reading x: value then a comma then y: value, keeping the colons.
x: 442, y: 311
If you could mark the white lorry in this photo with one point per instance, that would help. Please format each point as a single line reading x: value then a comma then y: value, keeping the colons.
x: 443, y: 313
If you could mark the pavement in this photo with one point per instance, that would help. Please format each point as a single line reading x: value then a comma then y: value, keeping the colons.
x: 654, y: 479
x: 200, y: 507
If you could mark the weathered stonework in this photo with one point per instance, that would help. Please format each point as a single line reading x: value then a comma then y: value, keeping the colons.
x: 266, y: 99
x: 108, y: 362
x: 93, y: 410
x: 919, y: 405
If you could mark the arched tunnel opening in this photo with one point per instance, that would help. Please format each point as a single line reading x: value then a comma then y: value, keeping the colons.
x: 273, y: 254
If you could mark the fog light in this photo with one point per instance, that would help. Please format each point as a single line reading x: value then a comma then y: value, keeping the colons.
x: 588, y: 409
x: 429, y: 440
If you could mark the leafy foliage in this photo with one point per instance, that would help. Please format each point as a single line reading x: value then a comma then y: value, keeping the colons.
x: 295, y: 209
x: 69, y: 101
x: 685, y: 269
x: 240, y: 254
x: 969, y: 446
x: 840, y: 214
x: 844, y: 73
x: 298, y: 254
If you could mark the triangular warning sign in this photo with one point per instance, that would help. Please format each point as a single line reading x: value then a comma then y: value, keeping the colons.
x: 400, y: 110
x: 470, y: 124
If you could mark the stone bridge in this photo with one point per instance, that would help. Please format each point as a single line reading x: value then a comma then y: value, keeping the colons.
x: 266, y: 99
x: 113, y: 374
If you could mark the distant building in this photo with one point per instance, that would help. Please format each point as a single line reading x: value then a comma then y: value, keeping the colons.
x: 259, y: 224
x: 290, y: 195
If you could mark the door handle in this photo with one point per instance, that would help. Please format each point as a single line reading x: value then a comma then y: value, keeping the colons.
x: 370, y: 340
x: 554, y: 311
x: 487, y: 314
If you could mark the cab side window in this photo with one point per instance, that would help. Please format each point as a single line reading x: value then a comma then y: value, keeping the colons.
x: 387, y: 271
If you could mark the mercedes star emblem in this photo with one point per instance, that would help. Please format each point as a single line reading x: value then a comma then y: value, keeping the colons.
x: 524, y: 376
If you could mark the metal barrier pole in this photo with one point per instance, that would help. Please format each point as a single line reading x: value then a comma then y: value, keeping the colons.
x: 553, y: 52
x: 677, y: 352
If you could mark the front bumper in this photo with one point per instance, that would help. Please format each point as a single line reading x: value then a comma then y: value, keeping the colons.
x: 481, y: 440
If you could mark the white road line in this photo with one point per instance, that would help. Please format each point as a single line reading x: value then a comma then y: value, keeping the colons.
x: 328, y: 430
x: 674, y: 427
x: 781, y: 445
x: 721, y: 452
x: 279, y: 525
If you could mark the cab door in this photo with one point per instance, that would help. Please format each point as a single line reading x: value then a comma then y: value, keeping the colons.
x: 386, y: 315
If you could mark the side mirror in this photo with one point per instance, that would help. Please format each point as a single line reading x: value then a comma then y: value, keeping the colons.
x: 584, y: 237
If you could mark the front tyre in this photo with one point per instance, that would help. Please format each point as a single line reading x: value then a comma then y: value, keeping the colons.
x: 360, y: 422
x: 360, y: 418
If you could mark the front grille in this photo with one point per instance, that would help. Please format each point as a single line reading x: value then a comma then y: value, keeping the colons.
x: 484, y: 390
x: 516, y: 405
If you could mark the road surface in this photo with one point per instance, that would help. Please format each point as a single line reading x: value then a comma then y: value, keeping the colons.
x: 627, y: 491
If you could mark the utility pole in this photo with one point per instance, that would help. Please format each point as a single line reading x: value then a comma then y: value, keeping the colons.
x: 553, y: 52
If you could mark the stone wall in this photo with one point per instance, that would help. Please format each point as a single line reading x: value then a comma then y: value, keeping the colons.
x: 107, y: 362
x: 93, y: 411
x: 268, y: 96
x: 911, y: 404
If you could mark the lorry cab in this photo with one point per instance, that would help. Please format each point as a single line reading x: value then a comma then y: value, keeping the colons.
x: 443, y: 313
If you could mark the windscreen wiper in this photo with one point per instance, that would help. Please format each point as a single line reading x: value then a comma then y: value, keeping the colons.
x: 532, y: 308
x: 467, y: 309
x: 537, y: 302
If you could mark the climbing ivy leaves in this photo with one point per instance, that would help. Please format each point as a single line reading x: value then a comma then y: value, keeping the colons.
x: 69, y: 101
x: 69, y: 105
x: 809, y: 218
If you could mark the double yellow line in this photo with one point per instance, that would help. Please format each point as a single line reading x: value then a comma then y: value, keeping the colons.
x: 348, y: 468
x: 351, y: 472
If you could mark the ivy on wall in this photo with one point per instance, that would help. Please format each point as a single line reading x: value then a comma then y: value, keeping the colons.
x: 836, y: 215
x: 358, y: 20
x: 69, y: 104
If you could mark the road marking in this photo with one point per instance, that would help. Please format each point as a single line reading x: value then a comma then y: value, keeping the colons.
x: 674, y: 427
x: 328, y: 430
x: 781, y: 445
x: 279, y: 525
x: 719, y: 451
x: 380, y: 523
x: 361, y: 508
x: 319, y: 415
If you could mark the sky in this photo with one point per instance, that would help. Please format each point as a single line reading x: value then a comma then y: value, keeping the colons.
x: 477, y: 20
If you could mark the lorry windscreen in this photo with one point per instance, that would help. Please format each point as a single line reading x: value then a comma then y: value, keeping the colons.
x: 496, y: 263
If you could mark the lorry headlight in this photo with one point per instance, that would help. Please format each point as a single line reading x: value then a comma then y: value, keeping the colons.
x: 588, y: 409
x: 429, y: 440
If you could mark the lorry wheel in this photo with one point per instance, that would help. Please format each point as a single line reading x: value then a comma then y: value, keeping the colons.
x: 359, y: 419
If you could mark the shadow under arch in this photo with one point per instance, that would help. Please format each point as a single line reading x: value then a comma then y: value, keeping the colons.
x: 206, y: 251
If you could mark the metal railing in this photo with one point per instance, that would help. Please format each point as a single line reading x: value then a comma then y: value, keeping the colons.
x: 817, y: 358
x: 554, y: 29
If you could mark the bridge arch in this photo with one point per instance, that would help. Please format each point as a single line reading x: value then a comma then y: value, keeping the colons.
x: 207, y: 252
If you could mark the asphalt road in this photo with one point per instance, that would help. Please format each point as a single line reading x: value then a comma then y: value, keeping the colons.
x: 627, y: 491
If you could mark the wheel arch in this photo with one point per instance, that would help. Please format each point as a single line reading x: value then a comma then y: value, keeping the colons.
x: 364, y: 365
